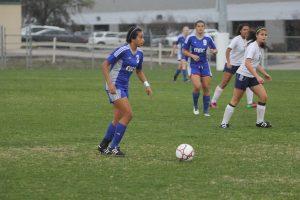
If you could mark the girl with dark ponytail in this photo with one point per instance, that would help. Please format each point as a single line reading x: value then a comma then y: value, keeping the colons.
x: 246, y: 76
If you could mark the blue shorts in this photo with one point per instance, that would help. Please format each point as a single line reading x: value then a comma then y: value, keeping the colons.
x: 201, y: 70
x: 231, y: 70
x: 242, y: 82
x: 120, y: 93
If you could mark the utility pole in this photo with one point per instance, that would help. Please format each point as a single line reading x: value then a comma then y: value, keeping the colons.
x: 222, y: 10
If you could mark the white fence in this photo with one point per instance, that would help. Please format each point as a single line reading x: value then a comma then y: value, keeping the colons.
x: 159, y: 55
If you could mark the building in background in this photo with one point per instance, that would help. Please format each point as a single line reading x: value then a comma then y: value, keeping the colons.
x: 282, y: 18
x: 11, y: 19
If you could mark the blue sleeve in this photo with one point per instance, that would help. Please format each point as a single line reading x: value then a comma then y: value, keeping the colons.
x: 140, y: 65
x: 211, y: 44
x: 115, y: 56
x: 187, y: 44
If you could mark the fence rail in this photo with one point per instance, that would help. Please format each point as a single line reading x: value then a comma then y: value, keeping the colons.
x: 159, y: 54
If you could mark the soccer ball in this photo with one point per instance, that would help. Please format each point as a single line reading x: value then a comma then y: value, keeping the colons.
x: 185, y: 152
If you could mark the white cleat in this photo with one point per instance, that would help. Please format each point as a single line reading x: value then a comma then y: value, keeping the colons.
x: 206, y: 114
x: 196, y: 111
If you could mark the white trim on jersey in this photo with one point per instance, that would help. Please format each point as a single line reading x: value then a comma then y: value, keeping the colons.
x: 114, y: 73
x: 187, y: 38
x: 120, y: 50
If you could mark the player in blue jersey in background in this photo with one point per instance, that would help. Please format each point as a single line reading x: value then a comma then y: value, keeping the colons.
x: 117, y: 69
x: 182, y: 66
x: 195, y: 47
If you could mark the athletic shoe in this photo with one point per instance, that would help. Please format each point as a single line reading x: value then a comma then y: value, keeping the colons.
x: 213, y: 105
x: 224, y: 126
x: 114, y: 151
x: 206, y: 114
x: 264, y: 124
x: 101, y: 149
x: 175, y: 78
x: 196, y: 111
x: 253, y: 105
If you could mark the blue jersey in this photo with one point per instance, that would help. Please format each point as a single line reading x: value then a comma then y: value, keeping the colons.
x: 180, y: 43
x: 123, y: 63
x: 198, y: 47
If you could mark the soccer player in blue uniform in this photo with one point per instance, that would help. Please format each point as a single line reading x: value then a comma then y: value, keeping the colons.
x: 117, y: 69
x: 182, y: 66
x: 195, y: 47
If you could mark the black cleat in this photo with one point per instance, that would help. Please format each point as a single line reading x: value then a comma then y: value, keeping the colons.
x: 224, y: 126
x: 103, y: 145
x: 101, y: 148
x: 114, y: 152
x: 264, y: 124
x: 175, y: 78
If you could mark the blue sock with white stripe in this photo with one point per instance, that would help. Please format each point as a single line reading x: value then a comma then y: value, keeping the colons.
x: 195, y: 99
x: 177, y: 72
x: 110, y: 132
x: 206, y: 101
x: 184, y: 72
x: 120, y: 130
x: 108, y: 135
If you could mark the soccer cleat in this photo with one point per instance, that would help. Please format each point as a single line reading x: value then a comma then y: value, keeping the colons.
x: 224, y: 126
x: 102, y: 148
x: 264, y: 124
x: 213, y: 105
x: 174, y: 78
x: 196, y: 111
x: 114, y: 151
x: 206, y: 114
x: 253, y: 105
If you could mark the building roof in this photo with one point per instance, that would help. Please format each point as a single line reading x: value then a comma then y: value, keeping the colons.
x: 10, y: 1
x: 235, y: 12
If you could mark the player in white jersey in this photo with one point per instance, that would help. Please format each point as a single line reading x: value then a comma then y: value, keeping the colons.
x: 234, y: 57
x: 182, y: 59
x: 246, y: 76
x: 117, y: 69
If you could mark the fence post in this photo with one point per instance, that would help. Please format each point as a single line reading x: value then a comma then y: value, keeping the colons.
x: 93, y: 48
x: 159, y: 53
x: 1, y: 45
x: 54, y: 51
x: 28, y: 48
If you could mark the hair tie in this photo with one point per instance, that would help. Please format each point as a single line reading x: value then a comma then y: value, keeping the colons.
x: 262, y: 28
x: 132, y: 32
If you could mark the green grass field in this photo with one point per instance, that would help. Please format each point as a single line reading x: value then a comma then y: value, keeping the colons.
x: 51, y: 121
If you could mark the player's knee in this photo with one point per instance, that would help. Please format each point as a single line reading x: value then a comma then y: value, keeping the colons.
x: 128, y: 115
x: 263, y: 98
x: 223, y: 84
x: 197, y: 88
x: 205, y: 89
x: 234, y: 101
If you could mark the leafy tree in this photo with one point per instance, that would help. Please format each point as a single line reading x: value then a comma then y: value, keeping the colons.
x: 52, y: 12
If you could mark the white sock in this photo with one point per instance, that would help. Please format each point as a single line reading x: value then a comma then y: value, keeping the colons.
x: 260, y: 110
x: 217, y: 94
x: 249, y: 95
x: 227, y: 114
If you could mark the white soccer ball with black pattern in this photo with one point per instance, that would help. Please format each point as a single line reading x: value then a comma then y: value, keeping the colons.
x: 185, y: 152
